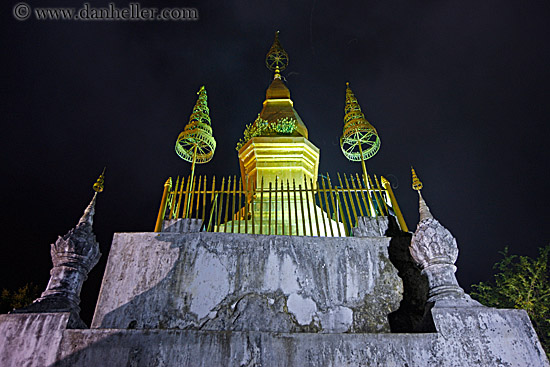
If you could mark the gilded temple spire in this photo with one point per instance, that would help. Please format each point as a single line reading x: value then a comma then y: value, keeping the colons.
x: 359, y: 140
x: 99, y: 184
x: 416, y: 183
x: 276, y: 59
x: 195, y: 143
x: 98, y: 187
x: 422, y: 206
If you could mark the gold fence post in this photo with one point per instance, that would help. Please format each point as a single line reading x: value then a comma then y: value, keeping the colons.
x: 327, y: 210
x: 203, y: 201
x: 355, y: 192
x: 282, y: 207
x: 314, y: 208
x: 351, y: 225
x: 365, y: 202
x: 396, y: 209
x: 233, y: 204
x: 252, y: 224
x: 289, y: 209
x: 296, y: 209
x: 376, y: 198
x: 227, y: 204
x: 245, y: 207
x: 261, y: 204
x: 162, y: 209
x: 218, y: 220
x: 179, y: 191
x: 336, y: 209
x: 381, y: 196
x: 269, y: 211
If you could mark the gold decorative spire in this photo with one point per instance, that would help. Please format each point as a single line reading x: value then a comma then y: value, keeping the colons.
x: 276, y: 59
x: 88, y: 216
x: 278, y: 116
x: 359, y: 140
x: 423, y: 208
x: 416, y: 183
x: 99, y: 184
x: 196, y: 143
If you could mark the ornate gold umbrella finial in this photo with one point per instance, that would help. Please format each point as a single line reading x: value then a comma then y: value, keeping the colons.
x: 416, y: 183
x: 195, y: 143
x: 276, y: 59
x: 359, y: 140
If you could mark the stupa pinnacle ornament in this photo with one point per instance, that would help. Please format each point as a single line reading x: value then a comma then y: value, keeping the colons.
x: 278, y: 116
x: 276, y: 59
x: 434, y: 249
x: 422, y: 207
x: 99, y: 184
x: 195, y: 143
x: 98, y: 187
x: 359, y: 140
x: 73, y: 256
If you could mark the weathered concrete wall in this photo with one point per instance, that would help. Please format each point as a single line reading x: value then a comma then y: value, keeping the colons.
x: 487, y: 336
x: 471, y: 336
x: 31, y: 339
x: 248, y: 300
x: 466, y: 336
x: 240, y: 282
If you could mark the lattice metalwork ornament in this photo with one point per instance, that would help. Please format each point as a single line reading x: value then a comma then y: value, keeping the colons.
x: 276, y: 59
x: 359, y: 140
x: 195, y: 142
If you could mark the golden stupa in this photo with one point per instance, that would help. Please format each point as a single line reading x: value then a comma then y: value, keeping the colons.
x: 276, y: 153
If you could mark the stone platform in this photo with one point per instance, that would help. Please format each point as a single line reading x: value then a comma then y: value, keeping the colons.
x: 477, y: 336
x: 189, y: 298
x: 243, y: 282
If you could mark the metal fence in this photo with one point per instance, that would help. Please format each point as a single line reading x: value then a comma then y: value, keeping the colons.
x: 306, y: 208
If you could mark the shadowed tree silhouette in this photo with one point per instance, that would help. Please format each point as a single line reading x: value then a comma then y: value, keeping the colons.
x: 521, y: 282
x: 18, y: 298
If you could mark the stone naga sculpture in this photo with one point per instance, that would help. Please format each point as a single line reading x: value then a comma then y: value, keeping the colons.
x: 435, y: 250
x: 73, y: 256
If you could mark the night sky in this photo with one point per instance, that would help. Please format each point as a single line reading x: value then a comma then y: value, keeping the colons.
x: 458, y: 89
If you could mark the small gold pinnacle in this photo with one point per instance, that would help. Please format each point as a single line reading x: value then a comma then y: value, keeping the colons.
x: 416, y: 183
x: 99, y: 185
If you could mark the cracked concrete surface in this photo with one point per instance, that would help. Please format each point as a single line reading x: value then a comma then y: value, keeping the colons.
x: 174, y: 280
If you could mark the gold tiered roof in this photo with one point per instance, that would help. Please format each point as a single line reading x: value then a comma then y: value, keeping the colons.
x: 278, y: 116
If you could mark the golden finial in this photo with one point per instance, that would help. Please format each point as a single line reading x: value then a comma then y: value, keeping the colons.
x: 276, y: 59
x: 88, y: 216
x: 196, y: 143
x: 99, y: 184
x: 359, y: 140
x: 416, y: 183
x: 423, y: 208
